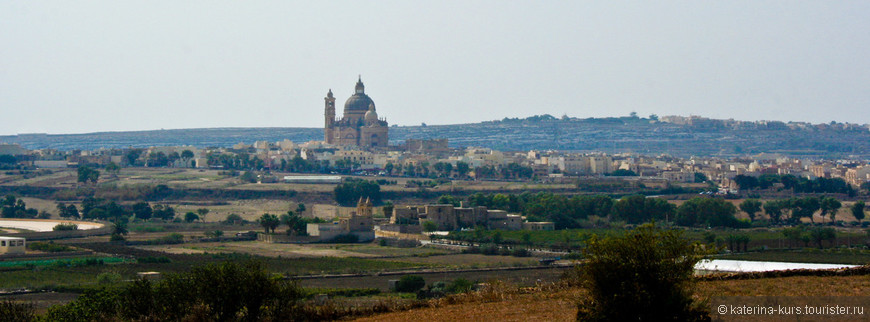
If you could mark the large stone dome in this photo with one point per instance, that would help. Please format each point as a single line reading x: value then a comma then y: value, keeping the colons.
x: 358, y: 103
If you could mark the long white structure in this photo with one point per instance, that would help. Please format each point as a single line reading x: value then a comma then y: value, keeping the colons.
x: 44, y: 224
x: 737, y: 266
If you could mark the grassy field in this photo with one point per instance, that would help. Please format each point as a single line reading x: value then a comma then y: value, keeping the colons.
x: 50, y: 276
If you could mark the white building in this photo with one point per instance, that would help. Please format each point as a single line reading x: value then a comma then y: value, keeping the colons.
x: 12, y: 245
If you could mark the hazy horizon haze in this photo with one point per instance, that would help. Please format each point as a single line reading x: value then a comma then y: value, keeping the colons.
x: 97, y: 66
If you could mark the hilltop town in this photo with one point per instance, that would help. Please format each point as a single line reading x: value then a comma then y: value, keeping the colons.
x: 400, y: 217
x: 673, y: 135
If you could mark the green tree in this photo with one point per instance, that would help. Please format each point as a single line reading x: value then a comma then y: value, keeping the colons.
x: 751, y: 207
x: 300, y: 208
x: 497, y: 237
x: 163, y: 212
x: 527, y: 238
x: 732, y: 240
x: 645, y: 275
x: 804, y: 208
x: 746, y: 182
x: 234, y: 219
x: 202, y: 212
x: 744, y: 240
x: 623, y: 173
x: 142, y: 210
x: 460, y: 285
x: 637, y: 209
x: 269, y: 222
x: 187, y: 154
x: 774, y: 209
x: 410, y: 170
x: 389, y: 168
x: 190, y: 217
x: 113, y: 168
x: 8, y: 159
x: 119, y: 230
x: 86, y: 174
x: 830, y: 206
x: 448, y: 200
x: 820, y: 234
x: 296, y: 225
x: 410, y: 283
x: 132, y: 156
x: 67, y: 211
x: 794, y: 234
x: 429, y: 225
x: 350, y: 191
x: 462, y: 169
x: 709, y: 212
x: 858, y: 210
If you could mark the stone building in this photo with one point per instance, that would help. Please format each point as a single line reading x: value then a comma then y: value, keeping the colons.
x: 360, y: 223
x: 449, y: 217
x: 359, y: 125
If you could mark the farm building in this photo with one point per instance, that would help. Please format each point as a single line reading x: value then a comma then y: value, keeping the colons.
x: 12, y: 245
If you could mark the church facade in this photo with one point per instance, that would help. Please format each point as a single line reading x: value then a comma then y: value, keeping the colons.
x: 359, y: 125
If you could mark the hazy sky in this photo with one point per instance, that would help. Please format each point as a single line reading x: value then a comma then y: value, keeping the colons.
x: 86, y: 66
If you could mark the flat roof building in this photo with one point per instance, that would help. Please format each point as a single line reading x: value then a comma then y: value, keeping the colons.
x: 12, y: 245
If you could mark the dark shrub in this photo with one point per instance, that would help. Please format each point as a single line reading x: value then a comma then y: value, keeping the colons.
x: 645, y: 275
x: 410, y: 284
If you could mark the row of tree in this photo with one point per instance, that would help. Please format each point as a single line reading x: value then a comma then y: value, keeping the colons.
x: 296, y: 224
x: 11, y: 207
x: 805, y: 235
x: 793, y: 209
x: 427, y: 170
x: 574, y: 212
x: 797, y: 184
x: 102, y: 209
x: 351, y: 190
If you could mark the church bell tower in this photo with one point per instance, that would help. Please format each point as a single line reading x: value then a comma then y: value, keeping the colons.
x: 329, y: 114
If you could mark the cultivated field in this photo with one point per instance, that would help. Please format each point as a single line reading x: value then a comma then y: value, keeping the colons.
x: 298, y: 250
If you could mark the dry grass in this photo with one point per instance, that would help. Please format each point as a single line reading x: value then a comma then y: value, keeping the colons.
x: 248, y: 209
x: 258, y: 248
x: 559, y: 303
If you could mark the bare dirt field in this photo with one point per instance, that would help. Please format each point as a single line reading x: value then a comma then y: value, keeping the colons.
x: 413, y: 254
x: 474, y: 260
x: 258, y: 248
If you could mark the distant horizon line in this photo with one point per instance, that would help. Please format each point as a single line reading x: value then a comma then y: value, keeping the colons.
x: 396, y: 125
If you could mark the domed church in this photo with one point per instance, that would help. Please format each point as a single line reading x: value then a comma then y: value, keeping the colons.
x: 359, y: 126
